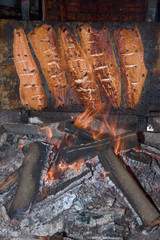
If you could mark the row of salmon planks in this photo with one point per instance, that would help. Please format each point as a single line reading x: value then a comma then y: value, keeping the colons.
x: 91, y: 68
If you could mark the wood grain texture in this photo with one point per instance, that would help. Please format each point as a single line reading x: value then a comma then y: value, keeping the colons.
x: 96, y: 11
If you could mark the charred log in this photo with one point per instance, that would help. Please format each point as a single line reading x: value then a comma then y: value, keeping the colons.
x: 89, y: 150
x: 82, y: 133
x: 31, y: 129
x: 136, y: 197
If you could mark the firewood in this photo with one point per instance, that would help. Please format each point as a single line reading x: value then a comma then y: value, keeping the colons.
x: 90, y: 149
x: 123, y: 180
x: 9, y: 181
x: 28, y: 186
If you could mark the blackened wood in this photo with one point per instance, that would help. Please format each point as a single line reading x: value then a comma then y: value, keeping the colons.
x: 152, y: 151
x: 88, y: 151
x: 96, y: 11
x: 136, y: 197
x: 28, y: 186
x: 73, y: 129
x: 31, y: 129
x: 58, y: 155
x: 152, y: 11
x: 68, y: 184
x: 139, y: 157
x: 25, y: 7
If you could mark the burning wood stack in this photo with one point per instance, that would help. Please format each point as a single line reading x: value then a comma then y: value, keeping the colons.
x: 79, y: 177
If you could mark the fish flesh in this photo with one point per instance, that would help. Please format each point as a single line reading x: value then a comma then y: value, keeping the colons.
x: 131, y: 55
x: 79, y: 70
x: 45, y: 44
x: 97, y: 45
x: 31, y: 90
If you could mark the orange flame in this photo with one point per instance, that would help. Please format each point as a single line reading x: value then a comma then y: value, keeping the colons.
x: 117, y: 146
x: 86, y: 119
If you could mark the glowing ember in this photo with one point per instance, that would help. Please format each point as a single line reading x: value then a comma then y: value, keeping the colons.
x: 21, y: 143
x: 103, y: 174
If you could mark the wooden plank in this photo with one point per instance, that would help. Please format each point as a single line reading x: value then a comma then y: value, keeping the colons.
x: 9, y: 82
x: 81, y: 10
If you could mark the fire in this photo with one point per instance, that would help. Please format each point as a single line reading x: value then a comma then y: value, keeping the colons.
x: 117, y: 146
x: 21, y: 143
x: 57, y: 171
x: 48, y: 132
x: 86, y: 119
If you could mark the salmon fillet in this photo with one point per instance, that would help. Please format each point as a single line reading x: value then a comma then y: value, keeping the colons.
x: 79, y: 70
x: 31, y: 89
x: 131, y: 55
x: 45, y: 44
x: 98, y: 47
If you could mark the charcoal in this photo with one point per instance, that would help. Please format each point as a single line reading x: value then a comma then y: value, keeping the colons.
x: 138, y: 158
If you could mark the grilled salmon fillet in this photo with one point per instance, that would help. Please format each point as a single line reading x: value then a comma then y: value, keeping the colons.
x: 45, y: 44
x: 131, y: 55
x: 31, y: 89
x: 98, y: 47
x: 79, y: 70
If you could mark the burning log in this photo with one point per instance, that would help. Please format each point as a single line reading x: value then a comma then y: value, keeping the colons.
x: 28, y: 186
x: 119, y: 175
x: 89, y: 150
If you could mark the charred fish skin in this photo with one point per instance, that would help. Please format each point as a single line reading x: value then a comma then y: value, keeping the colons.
x: 131, y: 55
x: 45, y: 44
x: 78, y: 69
x: 31, y: 89
x: 97, y: 45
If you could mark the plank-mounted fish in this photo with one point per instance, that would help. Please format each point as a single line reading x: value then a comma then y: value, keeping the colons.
x: 97, y: 45
x: 79, y: 70
x: 31, y: 89
x: 46, y: 47
x: 131, y: 55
